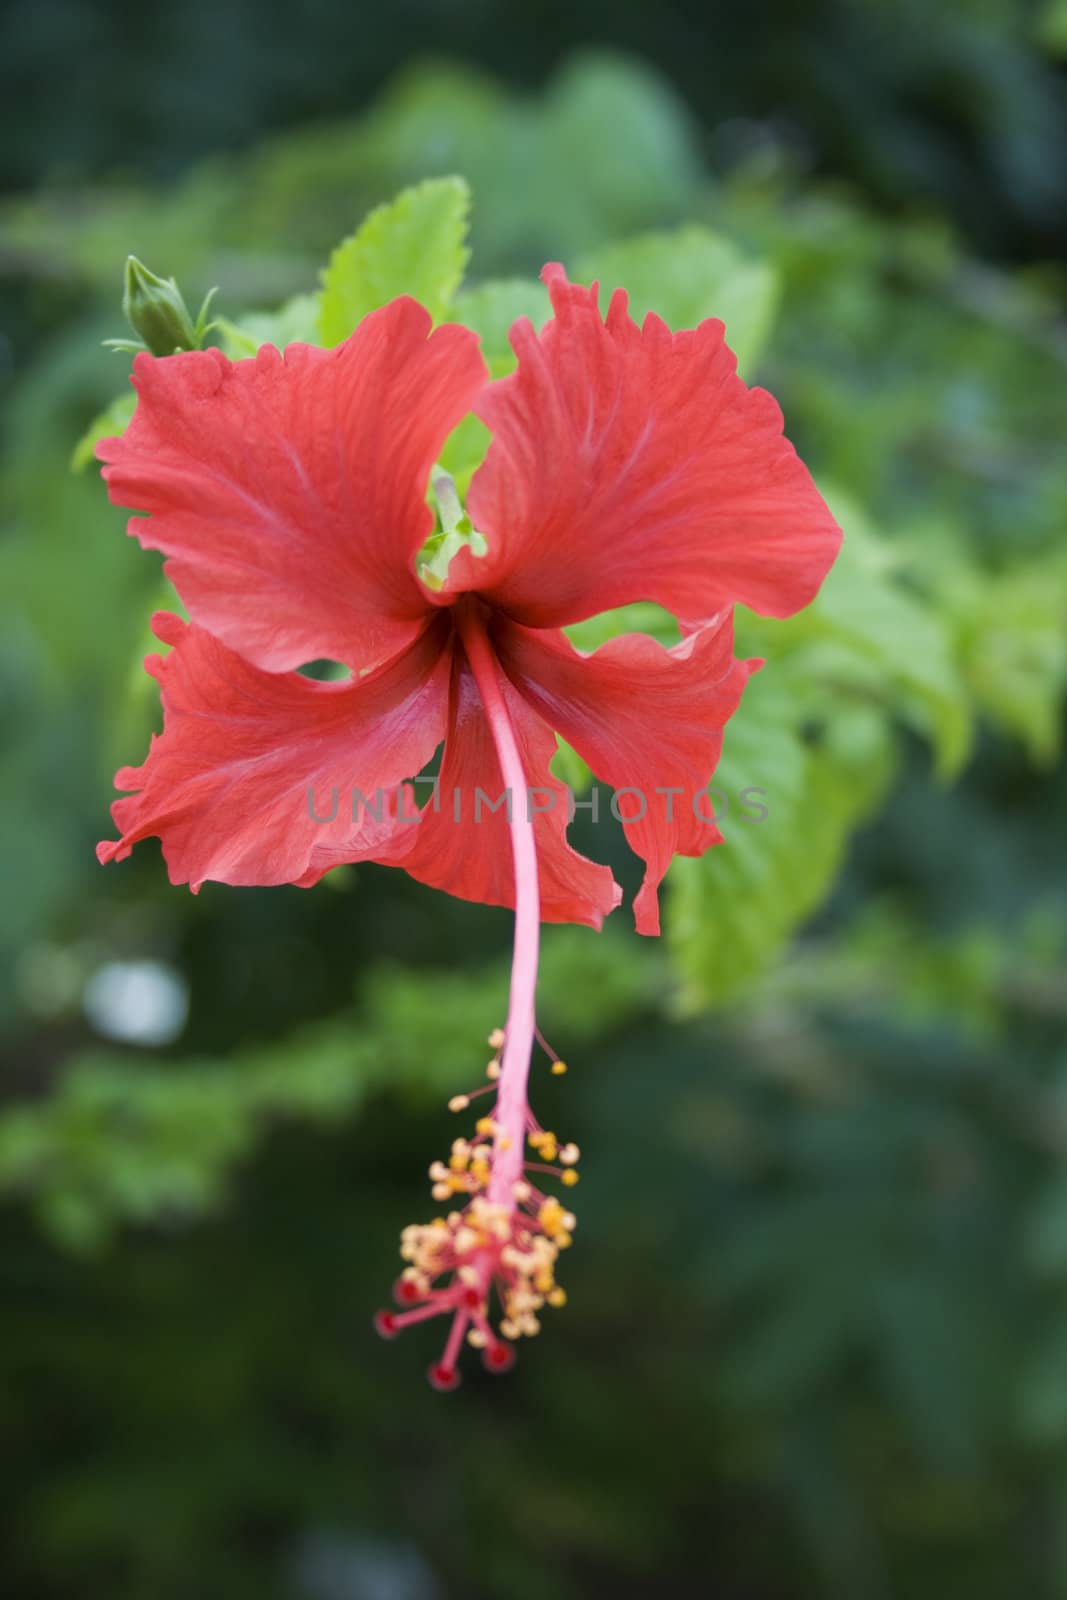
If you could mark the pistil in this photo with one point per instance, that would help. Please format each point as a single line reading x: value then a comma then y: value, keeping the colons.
x: 510, y: 1116
x: 508, y: 1234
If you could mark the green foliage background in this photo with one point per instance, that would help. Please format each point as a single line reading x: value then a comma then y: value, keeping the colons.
x: 816, y: 1342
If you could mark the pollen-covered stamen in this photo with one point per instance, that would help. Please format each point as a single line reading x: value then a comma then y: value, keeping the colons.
x: 460, y: 1102
x: 486, y: 1259
x: 557, y: 1065
x: 458, y: 1263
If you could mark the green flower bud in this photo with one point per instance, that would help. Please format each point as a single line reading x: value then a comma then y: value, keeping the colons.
x: 157, y: 313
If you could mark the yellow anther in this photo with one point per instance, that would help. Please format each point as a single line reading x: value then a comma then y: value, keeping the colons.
x: 570, y: 1177
x: 458, y: 1162
x: 559, y: 1068
x: 557, y: 1297
x: 459, y: 1102
x: 493, y: 1068
x: 550, y: 1217
x: 485, y: 1126
x: 496, y: 1039
x: 545, y: 1144
x: 504, y: 1142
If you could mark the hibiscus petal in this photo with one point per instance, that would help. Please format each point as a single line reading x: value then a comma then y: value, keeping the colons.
x: 644, y: 718
x: 289, y: 492
x: 463, y: 846
x: 246, y: 757
x: 634, y: 464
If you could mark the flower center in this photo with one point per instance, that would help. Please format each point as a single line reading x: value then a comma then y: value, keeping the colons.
x: 456, y: 532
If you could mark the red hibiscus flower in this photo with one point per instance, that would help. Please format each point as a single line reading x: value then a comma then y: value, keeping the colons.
x: 288, y: 494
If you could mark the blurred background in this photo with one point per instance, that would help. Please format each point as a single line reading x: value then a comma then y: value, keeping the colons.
x: 816, y: 1344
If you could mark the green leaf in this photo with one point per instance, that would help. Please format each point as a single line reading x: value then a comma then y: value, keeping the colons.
x: 112, y: 422
x: 1052, y: 27
x: 906, y: 641
x: 1014, y: 646
x: 490, y: 310
x: 464, y: 451
x: 415, y: 245
x: 730, y: 911
x: 616, y: 148
x: 569, y: 767
x: 295, y: 322
x: 868, y: 632
x: 687, y: 276
x: 642, y: 616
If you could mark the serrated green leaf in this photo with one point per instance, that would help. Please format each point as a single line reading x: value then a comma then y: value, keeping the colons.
x: 112, y: 422
x: 732, y: 909
x: 687, y: 276
x: 906, y: 640
x: 868, y: 631
x: 414, y: 245
x: 1014, y: 646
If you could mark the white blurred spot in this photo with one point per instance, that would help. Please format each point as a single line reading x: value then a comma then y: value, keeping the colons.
x: 139, y: 1002
x: 330, y: 1566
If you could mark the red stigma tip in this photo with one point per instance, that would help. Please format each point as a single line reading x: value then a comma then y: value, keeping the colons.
x: 443, y: 1377
x: 385, y: 1325
x: 405, y: 1292
x: 498, y: 1358
x: 473, y: 1299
